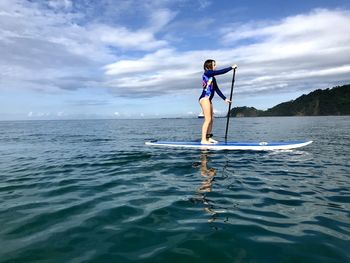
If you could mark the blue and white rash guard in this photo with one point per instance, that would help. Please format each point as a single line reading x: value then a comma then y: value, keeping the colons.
x: 209, y: 83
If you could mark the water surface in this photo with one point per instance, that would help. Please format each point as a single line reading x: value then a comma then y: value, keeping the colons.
x: 91, y: 191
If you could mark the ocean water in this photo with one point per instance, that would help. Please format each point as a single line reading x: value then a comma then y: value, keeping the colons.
x: 91, y: 191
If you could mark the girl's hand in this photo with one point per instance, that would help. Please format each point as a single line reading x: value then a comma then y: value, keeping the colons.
x: 234, y: 66
x: 228, y: 101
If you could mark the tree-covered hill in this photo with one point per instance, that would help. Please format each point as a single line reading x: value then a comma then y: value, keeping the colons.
x: 335, y: 101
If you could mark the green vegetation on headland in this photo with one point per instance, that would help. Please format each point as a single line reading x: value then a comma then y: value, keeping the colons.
x: 328, y: 102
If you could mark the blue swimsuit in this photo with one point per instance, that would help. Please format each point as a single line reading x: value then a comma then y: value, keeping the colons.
x: 209, y: 83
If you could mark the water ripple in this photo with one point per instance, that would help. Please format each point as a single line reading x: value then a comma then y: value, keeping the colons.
x: 68, y: 193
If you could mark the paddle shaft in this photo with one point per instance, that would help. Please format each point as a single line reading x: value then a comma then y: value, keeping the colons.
x: 229, y: 106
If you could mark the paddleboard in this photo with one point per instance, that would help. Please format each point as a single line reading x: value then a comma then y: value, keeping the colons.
x: 252, y: 146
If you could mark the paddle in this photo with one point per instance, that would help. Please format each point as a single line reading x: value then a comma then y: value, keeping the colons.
x: 229, y: 106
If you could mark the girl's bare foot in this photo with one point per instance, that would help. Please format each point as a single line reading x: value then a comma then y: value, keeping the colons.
x: 212, y: 140
x: 206, y: 142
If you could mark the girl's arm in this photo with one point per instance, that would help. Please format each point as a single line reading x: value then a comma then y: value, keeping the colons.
x: 212, y: 73
x: 218, y: 91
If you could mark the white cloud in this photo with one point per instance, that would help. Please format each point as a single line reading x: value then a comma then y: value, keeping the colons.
x: 217, y: 111
x: 204, y: 3
x: 38, y: 114
x: 300, y: 52
x: 44, y: 48
x: 304, y: 28
x: 160, y: 18
x: 122, y: 37
x: 162, y: 72
x: 319, y: 33
x: 58, y: 4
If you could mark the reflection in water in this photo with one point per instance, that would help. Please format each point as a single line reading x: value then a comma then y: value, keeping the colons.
x: 208, y: 175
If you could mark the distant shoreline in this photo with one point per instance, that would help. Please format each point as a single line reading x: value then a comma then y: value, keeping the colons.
x: 328, y: 102
x: 165, y: 118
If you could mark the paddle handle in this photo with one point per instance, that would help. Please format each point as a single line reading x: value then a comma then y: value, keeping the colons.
x: 229, y: 106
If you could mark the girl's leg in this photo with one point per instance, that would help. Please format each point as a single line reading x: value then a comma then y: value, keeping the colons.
x: 210, y: 128
x: 211, y: 124
x: 206, y: 108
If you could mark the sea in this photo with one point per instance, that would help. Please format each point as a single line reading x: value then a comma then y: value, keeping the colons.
x: 92, y: 191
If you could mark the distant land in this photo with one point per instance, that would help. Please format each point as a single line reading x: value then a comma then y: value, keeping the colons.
x: 328, y: 102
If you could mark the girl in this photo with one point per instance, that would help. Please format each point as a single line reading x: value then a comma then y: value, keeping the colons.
x: 209, y: 87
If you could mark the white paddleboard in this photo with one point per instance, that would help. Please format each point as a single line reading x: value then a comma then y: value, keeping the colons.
x: 252, y: 146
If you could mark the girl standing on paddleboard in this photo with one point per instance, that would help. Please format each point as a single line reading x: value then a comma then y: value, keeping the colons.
x: 209, y: 88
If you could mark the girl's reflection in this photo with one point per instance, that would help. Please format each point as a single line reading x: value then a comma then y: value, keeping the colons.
x: 208, y: 175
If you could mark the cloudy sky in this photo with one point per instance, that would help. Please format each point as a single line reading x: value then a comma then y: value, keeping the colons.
x: 143, y: 58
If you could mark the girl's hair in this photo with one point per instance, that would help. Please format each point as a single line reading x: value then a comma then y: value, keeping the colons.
x: 208, y: 64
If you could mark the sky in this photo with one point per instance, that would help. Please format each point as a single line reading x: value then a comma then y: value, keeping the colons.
x: 77, y: 59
